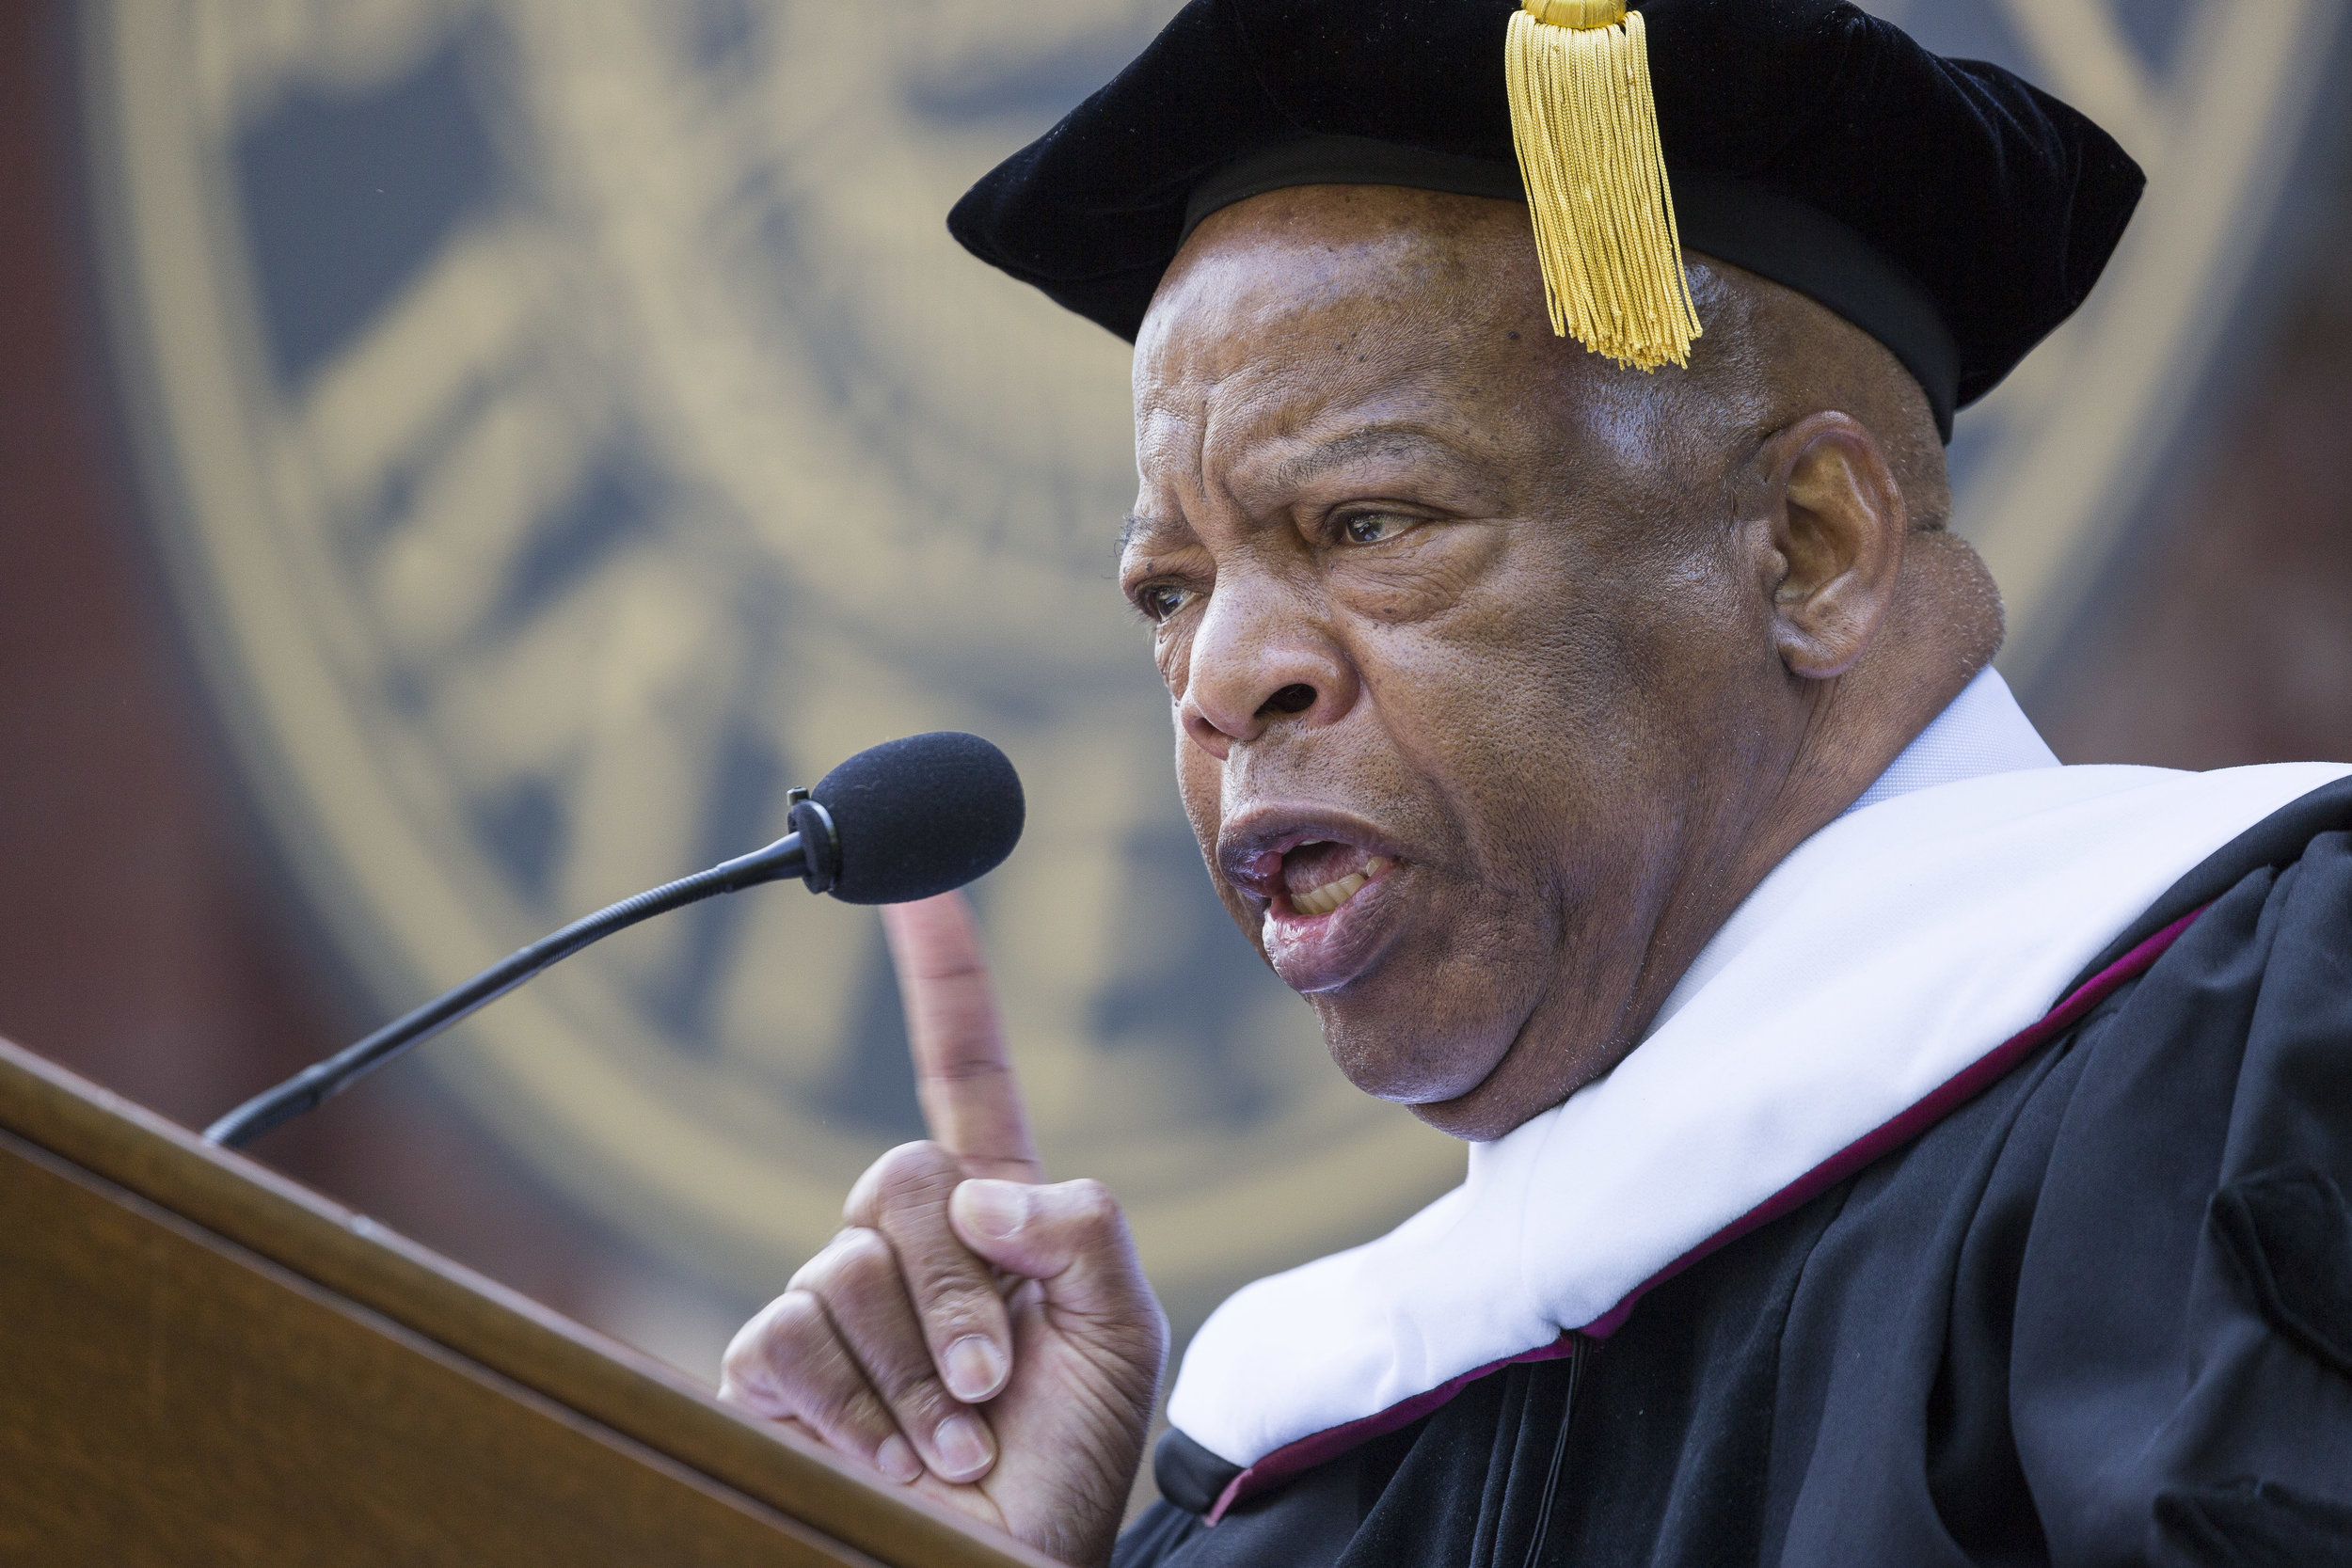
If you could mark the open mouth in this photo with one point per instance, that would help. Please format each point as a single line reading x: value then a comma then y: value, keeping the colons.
x: 1320, y: 875
x: 1327, y: 910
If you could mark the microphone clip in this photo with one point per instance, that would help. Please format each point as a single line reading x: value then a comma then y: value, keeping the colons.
x: 820, y: 847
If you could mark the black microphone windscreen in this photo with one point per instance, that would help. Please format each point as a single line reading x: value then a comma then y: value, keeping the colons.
x: 917, y: 816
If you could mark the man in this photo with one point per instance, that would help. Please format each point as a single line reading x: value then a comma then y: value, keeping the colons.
x: 1886, y: 1145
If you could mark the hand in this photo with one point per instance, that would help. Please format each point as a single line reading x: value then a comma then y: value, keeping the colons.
x: 971, y: 1331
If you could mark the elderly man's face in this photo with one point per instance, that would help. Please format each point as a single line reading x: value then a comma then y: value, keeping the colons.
x: 1466, y: 670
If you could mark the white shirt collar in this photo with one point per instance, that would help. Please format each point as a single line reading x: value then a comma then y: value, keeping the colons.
x: 1980, y: 731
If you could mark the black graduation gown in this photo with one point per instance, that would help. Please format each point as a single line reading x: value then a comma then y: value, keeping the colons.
x: 2101, y: 1314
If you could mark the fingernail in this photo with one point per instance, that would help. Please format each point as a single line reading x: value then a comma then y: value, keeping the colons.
x: 975, y: 1367
x: 963, y: 1447
x: 996, y: 1210
x: 895, y: 1459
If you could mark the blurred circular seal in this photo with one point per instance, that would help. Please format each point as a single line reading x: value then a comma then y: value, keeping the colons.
x: 568, y: 425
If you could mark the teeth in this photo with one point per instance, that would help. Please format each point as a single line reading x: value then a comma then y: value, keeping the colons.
x: 1330, y: 895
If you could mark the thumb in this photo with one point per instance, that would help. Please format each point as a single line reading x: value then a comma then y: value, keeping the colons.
x: 1069, y: 1236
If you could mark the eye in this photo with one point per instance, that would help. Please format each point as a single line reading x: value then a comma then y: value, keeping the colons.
x: 1158, y: 601
x: 1372, y: 527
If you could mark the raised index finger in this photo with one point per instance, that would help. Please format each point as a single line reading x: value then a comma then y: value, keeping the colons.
x: 962, y: 1075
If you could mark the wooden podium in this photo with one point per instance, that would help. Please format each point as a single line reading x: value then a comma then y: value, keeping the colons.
x: 202, y: 1363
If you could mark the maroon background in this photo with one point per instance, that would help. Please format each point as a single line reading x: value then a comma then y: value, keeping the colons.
x: 2224, y: 636
x: 147, y: 941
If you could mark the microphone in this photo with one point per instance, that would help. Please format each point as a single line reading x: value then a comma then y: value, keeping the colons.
x: 900, y: 821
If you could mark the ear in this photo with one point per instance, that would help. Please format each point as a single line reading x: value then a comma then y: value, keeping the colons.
x: 1831, y: 541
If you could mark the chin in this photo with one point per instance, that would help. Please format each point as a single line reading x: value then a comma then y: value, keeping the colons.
x: 1530, y: 1075
x: 1474, y: 1118
x: 1416, y: 1056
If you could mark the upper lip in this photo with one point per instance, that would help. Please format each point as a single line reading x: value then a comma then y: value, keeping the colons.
x: 1251, y: 845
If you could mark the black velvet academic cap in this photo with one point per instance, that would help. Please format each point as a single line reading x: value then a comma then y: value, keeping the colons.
x: 1946, y: 207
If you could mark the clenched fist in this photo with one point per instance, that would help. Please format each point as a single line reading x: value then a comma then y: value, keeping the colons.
x: 972, y: 1331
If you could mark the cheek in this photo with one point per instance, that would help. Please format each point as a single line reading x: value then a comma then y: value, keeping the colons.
x: 1171, y: 652
x: 1200, y: 784
x: 1480, y: 640
x: 1197, y: 782
x: 1526, y: 714
x: 1450, y: 569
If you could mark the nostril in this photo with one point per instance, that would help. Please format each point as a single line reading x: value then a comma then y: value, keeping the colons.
x: 1294, y: 698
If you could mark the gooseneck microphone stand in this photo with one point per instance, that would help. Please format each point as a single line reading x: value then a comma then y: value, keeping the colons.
x: 307, y: 1089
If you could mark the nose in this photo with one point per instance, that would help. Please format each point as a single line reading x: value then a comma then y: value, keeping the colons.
x: 1261, y: 658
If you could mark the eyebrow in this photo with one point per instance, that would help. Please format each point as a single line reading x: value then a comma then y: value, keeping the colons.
x: 1292, y: 472
x: 1298, y: 469
x: 1137, y: 525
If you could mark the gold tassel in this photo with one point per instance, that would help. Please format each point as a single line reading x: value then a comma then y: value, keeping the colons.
x: 1586, y: 129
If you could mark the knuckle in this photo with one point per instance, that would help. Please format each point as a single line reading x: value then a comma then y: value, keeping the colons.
x: 861, y: 1284
x: 848, y: 1416
x: 938, y: 1269
x: 797, y: 1326
x: 968, y: 1061
x: 818, y: 1272
x: 853, y: 1263
x: 777, y: 1354
x: 914, y: 1174
x: 861, y: 1258
x: 743, y: 1369
x: 914, y: 1391
x: 890, y: 1176
x: 954, y: 1310
x: 1089, y: 1208
x: 953, y: 1292
x: 840, y: 1403
x: 822, y: 1385
x: 858, y: 1208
